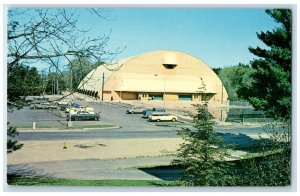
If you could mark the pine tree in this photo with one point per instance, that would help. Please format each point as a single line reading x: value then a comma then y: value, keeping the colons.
x: 12, y: 143
x: 271, y: 87
x: 201, y: 154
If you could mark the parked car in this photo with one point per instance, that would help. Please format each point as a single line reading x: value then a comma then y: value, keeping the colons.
x: 74, y: 110
x: 72, y: 105
x: 40, y: 99
x: 147, y: 113
x: 64, y: 101
x: 89, y: 110
x: 83, y: 116
x: 136, y: 110
x: 162, y: 117
x: 45, y: 105
x: 75, y: 107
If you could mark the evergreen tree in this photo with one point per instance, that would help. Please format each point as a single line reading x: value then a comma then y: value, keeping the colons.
x: 201, y: 153
x: 235, y: 79
x: 271, y: 87
x: 12, y: 143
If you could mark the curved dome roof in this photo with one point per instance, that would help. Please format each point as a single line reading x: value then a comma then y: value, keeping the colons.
x: 158, y: 71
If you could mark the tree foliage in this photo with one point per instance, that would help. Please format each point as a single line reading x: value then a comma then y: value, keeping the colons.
x: 79, y: 68
x: 273, y: 167
x: 12, y: 144
x: 55, y: 83
x: 52, y: 37
x: 23, y: 81
x: 236, y: 79
x: 271, y: 87
x: 201, y: 155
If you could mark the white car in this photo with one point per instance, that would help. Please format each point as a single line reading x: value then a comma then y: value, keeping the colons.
x: 63, y: 102
x: 162, y: 117
x: 136, y: 110
x: 74, y: 110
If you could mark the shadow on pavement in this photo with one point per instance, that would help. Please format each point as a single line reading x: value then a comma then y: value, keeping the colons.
x: 238, y: 140
x: 25, y: 169
x: 167, y: 173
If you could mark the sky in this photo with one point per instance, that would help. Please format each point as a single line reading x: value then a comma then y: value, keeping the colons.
x: 219, y: 37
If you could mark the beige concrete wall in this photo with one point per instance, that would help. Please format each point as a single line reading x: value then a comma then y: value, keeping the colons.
x: 116, y: 95
x: 143, y: 96
x: 196, y: 98
x: 129, y: 96
x: 146, y: 73
x: 171, y: 97
x: 107, y: 95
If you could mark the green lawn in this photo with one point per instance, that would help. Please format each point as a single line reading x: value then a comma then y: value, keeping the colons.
x: 42, y: 181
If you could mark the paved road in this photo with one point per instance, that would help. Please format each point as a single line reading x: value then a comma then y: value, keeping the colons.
x: 132, y: 126
x: 93, y: 169
x: 241, y: 135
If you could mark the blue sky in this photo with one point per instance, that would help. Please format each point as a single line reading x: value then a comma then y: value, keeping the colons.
x: 220, y: 37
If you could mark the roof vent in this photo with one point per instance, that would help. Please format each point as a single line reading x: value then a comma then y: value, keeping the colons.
x: 170, y: 60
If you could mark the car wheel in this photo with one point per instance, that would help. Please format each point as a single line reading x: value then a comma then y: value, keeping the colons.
x: 174, y: 119
x: 157, y: 120
x: 132, y: 112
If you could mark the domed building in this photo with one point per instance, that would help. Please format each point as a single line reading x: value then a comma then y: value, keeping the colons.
x: 159, y: 75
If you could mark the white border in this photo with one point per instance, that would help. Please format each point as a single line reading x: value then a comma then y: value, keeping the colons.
x: 160, y: 3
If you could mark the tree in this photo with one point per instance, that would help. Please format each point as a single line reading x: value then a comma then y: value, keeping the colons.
x: 46, y: 36
x: 80, y: 67
x: 273, y: 166
x: 23, y: 81
x: 52, y: 37
x: 12, y: 144
x: 271, y: 88
x: 270, y: 91
x: 201, y: 155
x: 217, y: 70
x: 235, y: 79
x: 53, y: 79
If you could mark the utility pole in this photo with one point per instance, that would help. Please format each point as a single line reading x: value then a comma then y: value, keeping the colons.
x: 43, y: 85
x: 57, y: 86
x: 52, y: 89
x: 71, y: 85
x: 56, y: 82
x: 102, y: 86
x: 222, y: 95
x: 70, y: 120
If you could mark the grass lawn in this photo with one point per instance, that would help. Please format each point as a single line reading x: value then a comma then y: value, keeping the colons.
x: 42, y: 181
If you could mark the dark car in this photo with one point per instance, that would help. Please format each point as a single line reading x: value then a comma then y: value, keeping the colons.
x: 63, y: 107
x: 83, y: 115
x: 147, y: 113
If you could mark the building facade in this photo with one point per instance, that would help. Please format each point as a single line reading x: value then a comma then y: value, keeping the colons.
x: 159, y: 75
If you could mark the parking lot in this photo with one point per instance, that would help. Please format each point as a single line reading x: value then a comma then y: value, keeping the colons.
x: 111, y: 113
x: 133, y: 137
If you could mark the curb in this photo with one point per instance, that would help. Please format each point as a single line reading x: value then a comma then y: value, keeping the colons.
x: 24, y: 130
